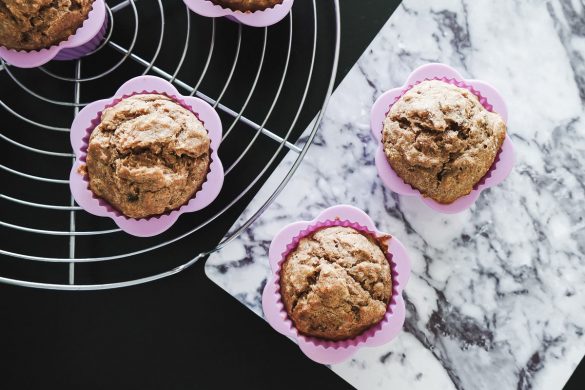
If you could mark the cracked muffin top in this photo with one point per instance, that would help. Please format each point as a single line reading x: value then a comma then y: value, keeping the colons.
x: 441, y: 140
x: 148, y: 155
x: 247, y: 5
x: 337, y: 283
x: 38, y: 24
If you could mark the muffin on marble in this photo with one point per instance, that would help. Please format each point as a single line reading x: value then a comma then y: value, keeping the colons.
x: 441, y: 140
x: 247, y: 5
x: 147, y: 156
x: 39, y: 24
x: 336, y: 283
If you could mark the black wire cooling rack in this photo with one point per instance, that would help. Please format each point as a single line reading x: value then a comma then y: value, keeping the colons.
x: 268, y: 84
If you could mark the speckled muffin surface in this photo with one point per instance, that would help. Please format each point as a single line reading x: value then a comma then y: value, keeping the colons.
x: 38, y: 24
x: 441, y: 140
x: 337, y: 283
x: 148, y: 155
x: 247, y: 5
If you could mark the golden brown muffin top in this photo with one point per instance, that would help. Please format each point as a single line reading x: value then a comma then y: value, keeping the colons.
x: 337, y: 283
x: 441, y: 140
x: 38, y: 24
x: 148, y: 155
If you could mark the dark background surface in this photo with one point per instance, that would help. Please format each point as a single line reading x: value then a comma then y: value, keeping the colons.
x: 177, y: 333
x: 577, y: 381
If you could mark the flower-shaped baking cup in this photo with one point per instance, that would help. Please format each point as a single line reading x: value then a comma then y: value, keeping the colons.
x: 86, y: 39
x: 488, y: 97
x: 89, y: 118
x: 262, y: 18
x: 320, y: 350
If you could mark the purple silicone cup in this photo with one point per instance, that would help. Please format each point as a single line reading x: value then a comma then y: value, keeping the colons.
x: 89, y: 118
x: 86, y: 39
x: 262, y: 18
x: 488, y: 97
x: 320, y: 350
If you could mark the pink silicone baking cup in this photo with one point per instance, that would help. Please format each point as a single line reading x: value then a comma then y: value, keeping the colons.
x: 89, y: 118
x: 262, y: 18
x: 320, y: 350
x: 86, y: 39
x: 488, y: 96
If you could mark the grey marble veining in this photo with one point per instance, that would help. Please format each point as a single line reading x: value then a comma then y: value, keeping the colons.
x: 497, y: 295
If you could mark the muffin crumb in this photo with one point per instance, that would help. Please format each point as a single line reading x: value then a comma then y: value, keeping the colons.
x: 82, y: 170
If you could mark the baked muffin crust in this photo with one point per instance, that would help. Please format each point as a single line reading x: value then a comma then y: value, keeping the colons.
x: 441, y: 140
x: 38, y: 24
x: 148, y: 155
x: 247, y: 5
x: 337, y: 283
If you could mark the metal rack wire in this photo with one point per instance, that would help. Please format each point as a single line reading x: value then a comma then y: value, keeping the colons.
x: 232, y: 118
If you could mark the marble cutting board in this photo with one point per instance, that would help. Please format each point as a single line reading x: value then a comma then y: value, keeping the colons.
x: 497, y: 295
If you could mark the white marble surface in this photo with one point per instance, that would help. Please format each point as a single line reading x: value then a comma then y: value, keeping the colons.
x: 497, y: 295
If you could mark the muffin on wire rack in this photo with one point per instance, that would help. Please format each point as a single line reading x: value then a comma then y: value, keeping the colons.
x: 34, y: 32
x: 146, y: 156
x: 255, y: 13
x: 38, y: 24
x: 247, y: 5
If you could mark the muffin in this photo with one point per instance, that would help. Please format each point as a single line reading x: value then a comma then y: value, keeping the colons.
x: 38, y: 24
x: 336, y: 283
x: 441, y: 140
x: 247, y: 5
x: 147, y: 156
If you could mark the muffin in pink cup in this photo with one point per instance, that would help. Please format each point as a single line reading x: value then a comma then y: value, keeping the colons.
x: 368, y: 278
x: 259, y: 13
x: 146, y: 156
x: 470, y: 119
x: 58, y: 33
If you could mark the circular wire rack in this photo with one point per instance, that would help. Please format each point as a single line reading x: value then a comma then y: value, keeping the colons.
x: 33, y: 99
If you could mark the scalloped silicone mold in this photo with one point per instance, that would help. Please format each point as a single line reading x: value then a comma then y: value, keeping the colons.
x: 88, y: 119
x: 262, y: 18
x: 324, y: 351
x: 489, y: 97
x: 86, y: 39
